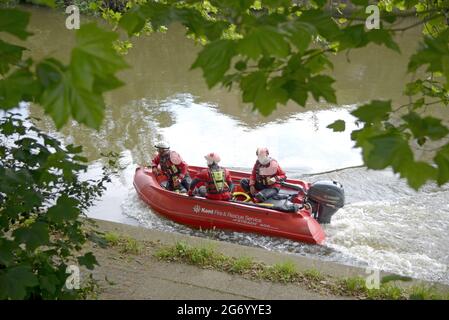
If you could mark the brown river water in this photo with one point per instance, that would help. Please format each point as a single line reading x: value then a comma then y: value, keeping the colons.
x: 384, y: 224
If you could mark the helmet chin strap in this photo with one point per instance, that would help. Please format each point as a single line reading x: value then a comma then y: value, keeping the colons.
x: 164, y: 151
x: 212, y: 165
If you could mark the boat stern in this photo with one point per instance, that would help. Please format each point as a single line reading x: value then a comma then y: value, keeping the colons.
x: 315, y: 231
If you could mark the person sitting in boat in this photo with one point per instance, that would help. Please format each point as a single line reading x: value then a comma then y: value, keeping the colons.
x: 170, y: 163
x: 265, y: 179
x: 216, y: 179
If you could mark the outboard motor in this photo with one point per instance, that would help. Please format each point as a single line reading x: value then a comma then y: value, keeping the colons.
x: 326, y: 197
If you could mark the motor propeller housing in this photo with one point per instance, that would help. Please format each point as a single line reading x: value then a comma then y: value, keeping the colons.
x: 326, y: 197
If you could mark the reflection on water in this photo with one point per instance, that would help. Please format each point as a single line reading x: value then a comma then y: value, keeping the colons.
x: 300, y: 143
x: 384, y: 224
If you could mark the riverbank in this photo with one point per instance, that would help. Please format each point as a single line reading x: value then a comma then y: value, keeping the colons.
x: 132, y: 267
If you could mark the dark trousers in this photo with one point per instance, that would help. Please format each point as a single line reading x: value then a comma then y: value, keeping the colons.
x: 264, y: 192
x: 183, y: 187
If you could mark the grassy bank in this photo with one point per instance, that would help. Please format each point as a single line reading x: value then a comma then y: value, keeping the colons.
x: 282, y: 272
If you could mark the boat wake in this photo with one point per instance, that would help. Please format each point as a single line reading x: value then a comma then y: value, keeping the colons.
x: 390, y: 227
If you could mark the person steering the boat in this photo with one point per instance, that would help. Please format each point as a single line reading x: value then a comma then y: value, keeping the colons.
x: 217, y: 180
x: 265, y: 179
x: 170, y: 163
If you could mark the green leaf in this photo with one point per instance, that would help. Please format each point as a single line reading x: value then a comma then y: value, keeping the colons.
x: 196, y: 23
x: 425, y: 127
x: 374, y: 111
x: 80, y: 159
x: 56, y: 103
x: 36, y: 172
x: 265, y: 96
x: 94, y: 56
x: 106, y: 82
x: 48, y: 283
x: 87, y: 107
x: 337, y: 126
x: 134, y: 20
x: 96, y: 44
x: 276, y: 87
x: 50, y: 71
x: 300, y: 34
x: 265, y: 62
x: 318, y: 63
x: 34, y: 236
x: 56, y: 97
x: 382, y: 149
x: 323, y: 22
x: 421, y: 140
x: 264, y: 40
x: 425, y: 56
x: 388, y: 149
x: 6, y: 252
x: 9, y: 54
x: 299, y: 94
x: 390, y: 18
x: 18, y: 86
x: 442, y: 161
x: 74, y: 149
x: 159, y: 14
x: 413, y: 88
x: 382, y: 36
x: 433, y: 53
x: 14, y: 22
x: 321, y: 86
x: 240, y: 65
x: 88, y: 260
x: 15, y: 281
x: 417, y: 173
x: 66, y: 209
x: 352, y: 37
x: 249, y: 46
x: 214, y: 60
x: 253, y: 85
x: 77, y: 90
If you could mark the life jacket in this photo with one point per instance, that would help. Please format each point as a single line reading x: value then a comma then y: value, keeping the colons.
x: 169, y: 163
x: 265, y: 172
x: 217, y: 181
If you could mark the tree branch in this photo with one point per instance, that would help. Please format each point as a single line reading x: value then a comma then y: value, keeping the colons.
x: 416, y: 24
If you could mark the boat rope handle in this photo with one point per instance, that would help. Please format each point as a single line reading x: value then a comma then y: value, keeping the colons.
x: 265, y: 204
x: 236, y: 194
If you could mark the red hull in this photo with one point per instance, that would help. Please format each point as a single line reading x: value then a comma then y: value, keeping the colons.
x: 206, y: 214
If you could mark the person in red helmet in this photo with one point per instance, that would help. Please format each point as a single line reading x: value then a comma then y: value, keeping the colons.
x: 216, y: 179
x: 265, y: 179
x: 170, y: 163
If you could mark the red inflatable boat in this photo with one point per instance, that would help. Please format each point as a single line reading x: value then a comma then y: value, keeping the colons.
x: 323, y: 199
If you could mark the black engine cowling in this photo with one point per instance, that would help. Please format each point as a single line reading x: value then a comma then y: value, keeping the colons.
x: 326, y: 197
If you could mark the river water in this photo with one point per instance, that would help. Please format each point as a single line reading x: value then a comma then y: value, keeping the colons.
x: 384, y: 224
